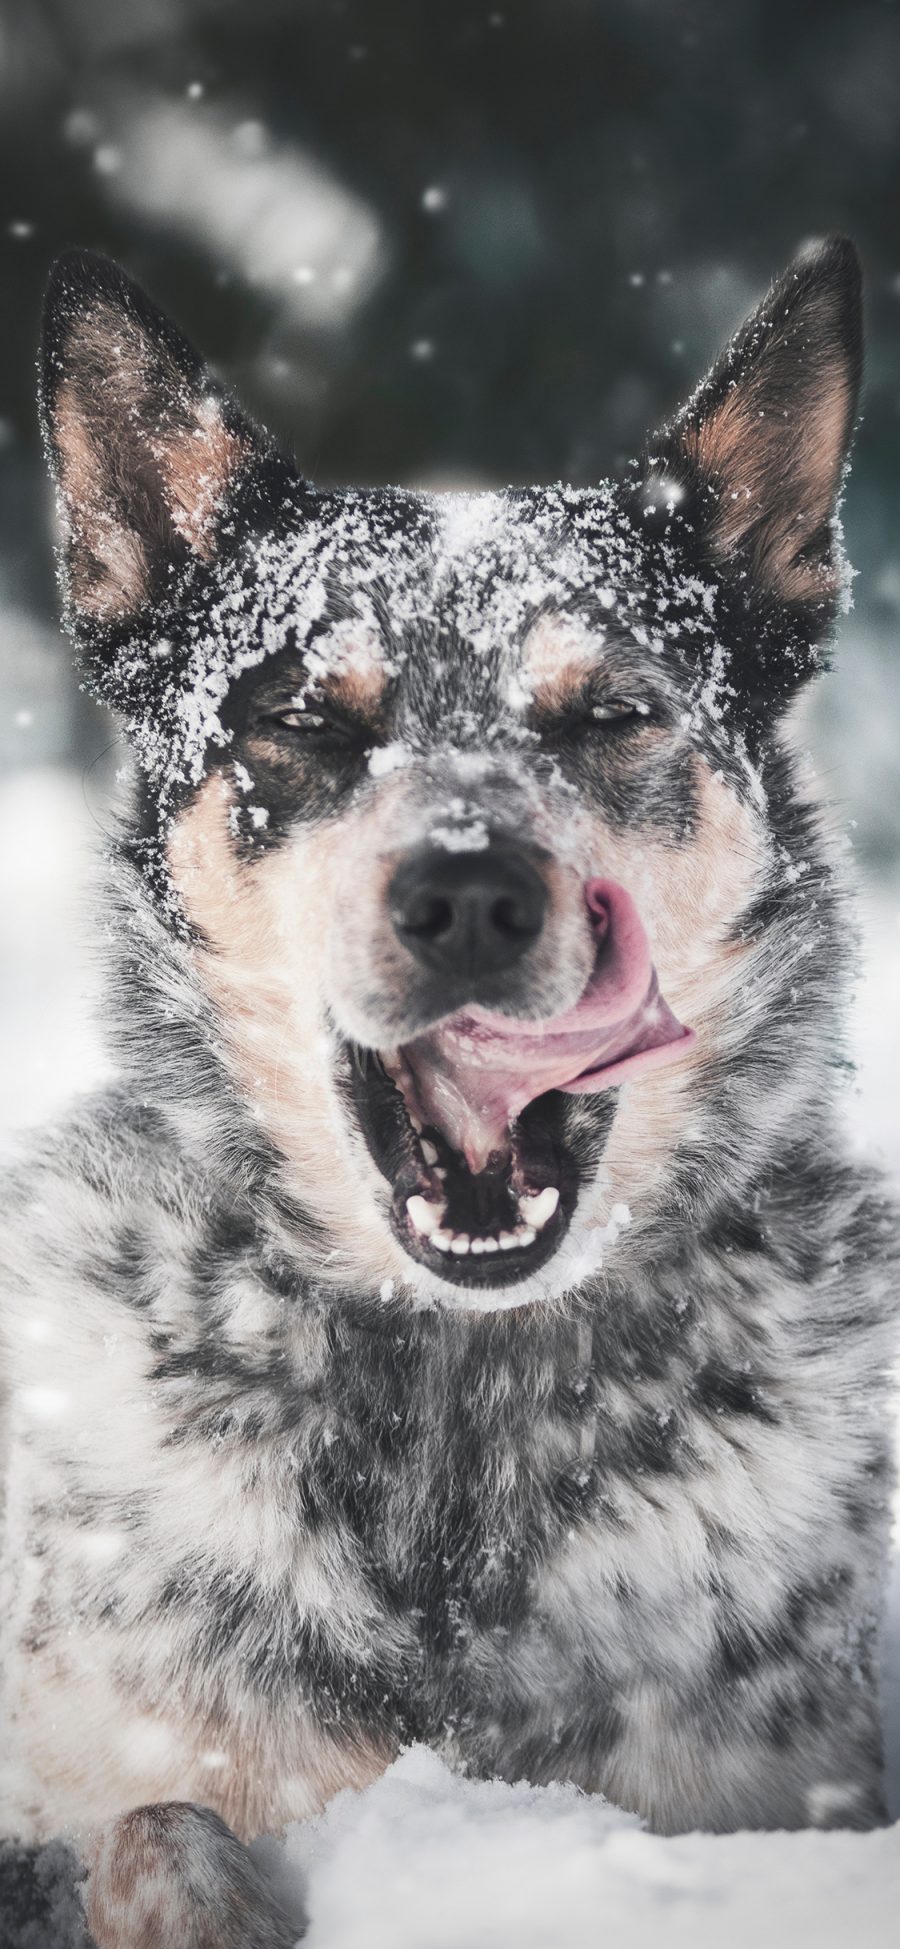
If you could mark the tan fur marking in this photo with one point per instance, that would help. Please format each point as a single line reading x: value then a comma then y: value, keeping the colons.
x: 268, y: 926
x: 360, y: 686
x: 558, y: 657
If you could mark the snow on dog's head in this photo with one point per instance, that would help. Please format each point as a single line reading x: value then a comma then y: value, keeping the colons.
x: 471, y: 807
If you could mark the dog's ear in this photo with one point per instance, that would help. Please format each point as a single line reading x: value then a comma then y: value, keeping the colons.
x: 145, y: 448
x: 759, y: 451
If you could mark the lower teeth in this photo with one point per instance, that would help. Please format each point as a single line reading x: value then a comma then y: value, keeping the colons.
x: 461, y: 1245
x: 426, y: 1218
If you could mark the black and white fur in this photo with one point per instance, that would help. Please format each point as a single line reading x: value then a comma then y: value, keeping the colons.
x: 280, y: 1496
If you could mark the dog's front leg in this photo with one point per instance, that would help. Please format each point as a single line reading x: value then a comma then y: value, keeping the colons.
x: 175, y: 1877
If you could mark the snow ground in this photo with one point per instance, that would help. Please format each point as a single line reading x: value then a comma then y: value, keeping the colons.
x: 423, y: 1860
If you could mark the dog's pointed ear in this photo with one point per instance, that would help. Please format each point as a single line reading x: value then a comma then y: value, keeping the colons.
x: 759, y: 451
x: 145, y: 448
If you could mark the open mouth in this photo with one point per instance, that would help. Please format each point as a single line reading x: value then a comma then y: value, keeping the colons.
x: 468, y: 1121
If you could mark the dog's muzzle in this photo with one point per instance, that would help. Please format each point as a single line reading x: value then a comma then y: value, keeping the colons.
x: 466, y: 1118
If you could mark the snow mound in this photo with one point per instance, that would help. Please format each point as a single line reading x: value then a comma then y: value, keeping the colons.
x: 425, y: 1860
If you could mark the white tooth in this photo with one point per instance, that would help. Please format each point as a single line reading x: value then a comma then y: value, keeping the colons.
x: 525, y: 1235
x: 508, y: 1241
x: 426, y: 1217
x: 429, y: 1151
x: 442, y: 1240
x: 536, y: 1209
x: 415, y: 1123
x: 490, y: 1245
x: 478, y: 1245
x: 460, y: 1243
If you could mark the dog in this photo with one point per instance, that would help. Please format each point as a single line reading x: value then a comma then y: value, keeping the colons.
x: 460, y: 1321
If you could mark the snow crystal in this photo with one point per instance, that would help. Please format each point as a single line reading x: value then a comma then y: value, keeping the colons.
x: 385, y: 758
x: 473, y: 838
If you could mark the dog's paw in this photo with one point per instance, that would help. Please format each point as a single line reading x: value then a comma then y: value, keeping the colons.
x: 175, y: 1877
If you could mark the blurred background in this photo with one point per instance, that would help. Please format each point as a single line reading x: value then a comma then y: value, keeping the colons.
x: 443, y: 243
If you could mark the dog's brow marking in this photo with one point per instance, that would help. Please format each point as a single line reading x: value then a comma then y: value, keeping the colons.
x: 558, y: 655
x: 360, y: 685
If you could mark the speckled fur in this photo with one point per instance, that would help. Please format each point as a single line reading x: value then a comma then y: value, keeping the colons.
x: 273, y: 1510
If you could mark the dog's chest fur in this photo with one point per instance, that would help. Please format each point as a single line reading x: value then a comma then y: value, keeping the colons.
x: 272, y: 1535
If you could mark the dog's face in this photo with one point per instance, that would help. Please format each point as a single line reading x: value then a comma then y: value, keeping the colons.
x: 460, y: 795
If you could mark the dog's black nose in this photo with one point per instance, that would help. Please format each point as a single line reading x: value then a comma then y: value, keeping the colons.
x: 467, y: 914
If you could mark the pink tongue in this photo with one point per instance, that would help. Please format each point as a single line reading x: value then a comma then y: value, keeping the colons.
x: 473, y: 1074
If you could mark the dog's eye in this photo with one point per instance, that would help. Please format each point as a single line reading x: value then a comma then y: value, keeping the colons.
x: 298, y: 721
x: 309, y: 724
x: 618, y: 710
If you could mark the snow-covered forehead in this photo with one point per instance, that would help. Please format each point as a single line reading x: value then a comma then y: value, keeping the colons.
x: 438, y: 593
x: 502, y: 560
x: 413, y: 570
x: 479, y: 565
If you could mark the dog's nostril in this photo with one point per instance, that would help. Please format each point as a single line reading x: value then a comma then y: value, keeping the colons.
x: 513, y: 916
x: 429, y: 916
x: 468, y: 915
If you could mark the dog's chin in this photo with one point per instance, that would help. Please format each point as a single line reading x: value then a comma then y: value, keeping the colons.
x: 486, y: 1231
